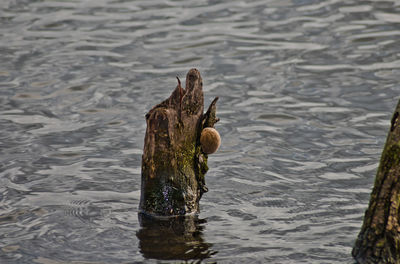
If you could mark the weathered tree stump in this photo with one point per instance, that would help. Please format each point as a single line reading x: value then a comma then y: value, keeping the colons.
x: 379, y: 238
x: 173, y: 161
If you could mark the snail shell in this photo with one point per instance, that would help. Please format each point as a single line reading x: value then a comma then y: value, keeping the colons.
x: 210, y: 140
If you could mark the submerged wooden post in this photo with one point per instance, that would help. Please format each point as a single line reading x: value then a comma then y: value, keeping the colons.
x: 379, y: 238
x: 173, y: 161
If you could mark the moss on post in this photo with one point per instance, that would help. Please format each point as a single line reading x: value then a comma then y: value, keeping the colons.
x: 173, y: 164
x: 379, y: 238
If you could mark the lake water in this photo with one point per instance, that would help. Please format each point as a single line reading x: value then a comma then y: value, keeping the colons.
x: 307, y: 89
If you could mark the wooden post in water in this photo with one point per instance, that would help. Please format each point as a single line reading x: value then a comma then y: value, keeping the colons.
x: 174, y: 162
x: 379, y: 238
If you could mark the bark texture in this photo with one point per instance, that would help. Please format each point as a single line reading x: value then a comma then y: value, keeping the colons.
x: 173, y: 164
x: 379, y: 238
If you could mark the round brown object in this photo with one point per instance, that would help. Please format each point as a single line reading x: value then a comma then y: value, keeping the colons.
x: 210, y: 140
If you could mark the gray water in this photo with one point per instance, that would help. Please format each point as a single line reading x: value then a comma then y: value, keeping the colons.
x: 306, y: 87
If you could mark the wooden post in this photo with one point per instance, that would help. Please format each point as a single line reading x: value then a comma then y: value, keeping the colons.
x: 379, y: 238
x: 173, y: 161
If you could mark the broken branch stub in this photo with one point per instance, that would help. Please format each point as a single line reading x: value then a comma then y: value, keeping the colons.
x: 173, y: 163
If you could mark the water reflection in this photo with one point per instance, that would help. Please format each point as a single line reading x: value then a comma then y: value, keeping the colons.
x: 177, y: 238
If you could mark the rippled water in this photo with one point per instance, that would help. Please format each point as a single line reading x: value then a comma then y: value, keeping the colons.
x: 306, y: 91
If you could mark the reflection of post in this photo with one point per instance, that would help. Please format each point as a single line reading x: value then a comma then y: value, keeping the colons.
x: 172, y: 238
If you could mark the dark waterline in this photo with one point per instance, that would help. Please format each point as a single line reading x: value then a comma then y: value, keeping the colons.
x: 306, y: 88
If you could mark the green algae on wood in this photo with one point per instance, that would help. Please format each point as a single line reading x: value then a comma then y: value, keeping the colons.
x: 379, y: 238
x: 173, y: 164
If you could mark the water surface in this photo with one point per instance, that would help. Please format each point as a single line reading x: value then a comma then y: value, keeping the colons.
x: 306, y: 88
